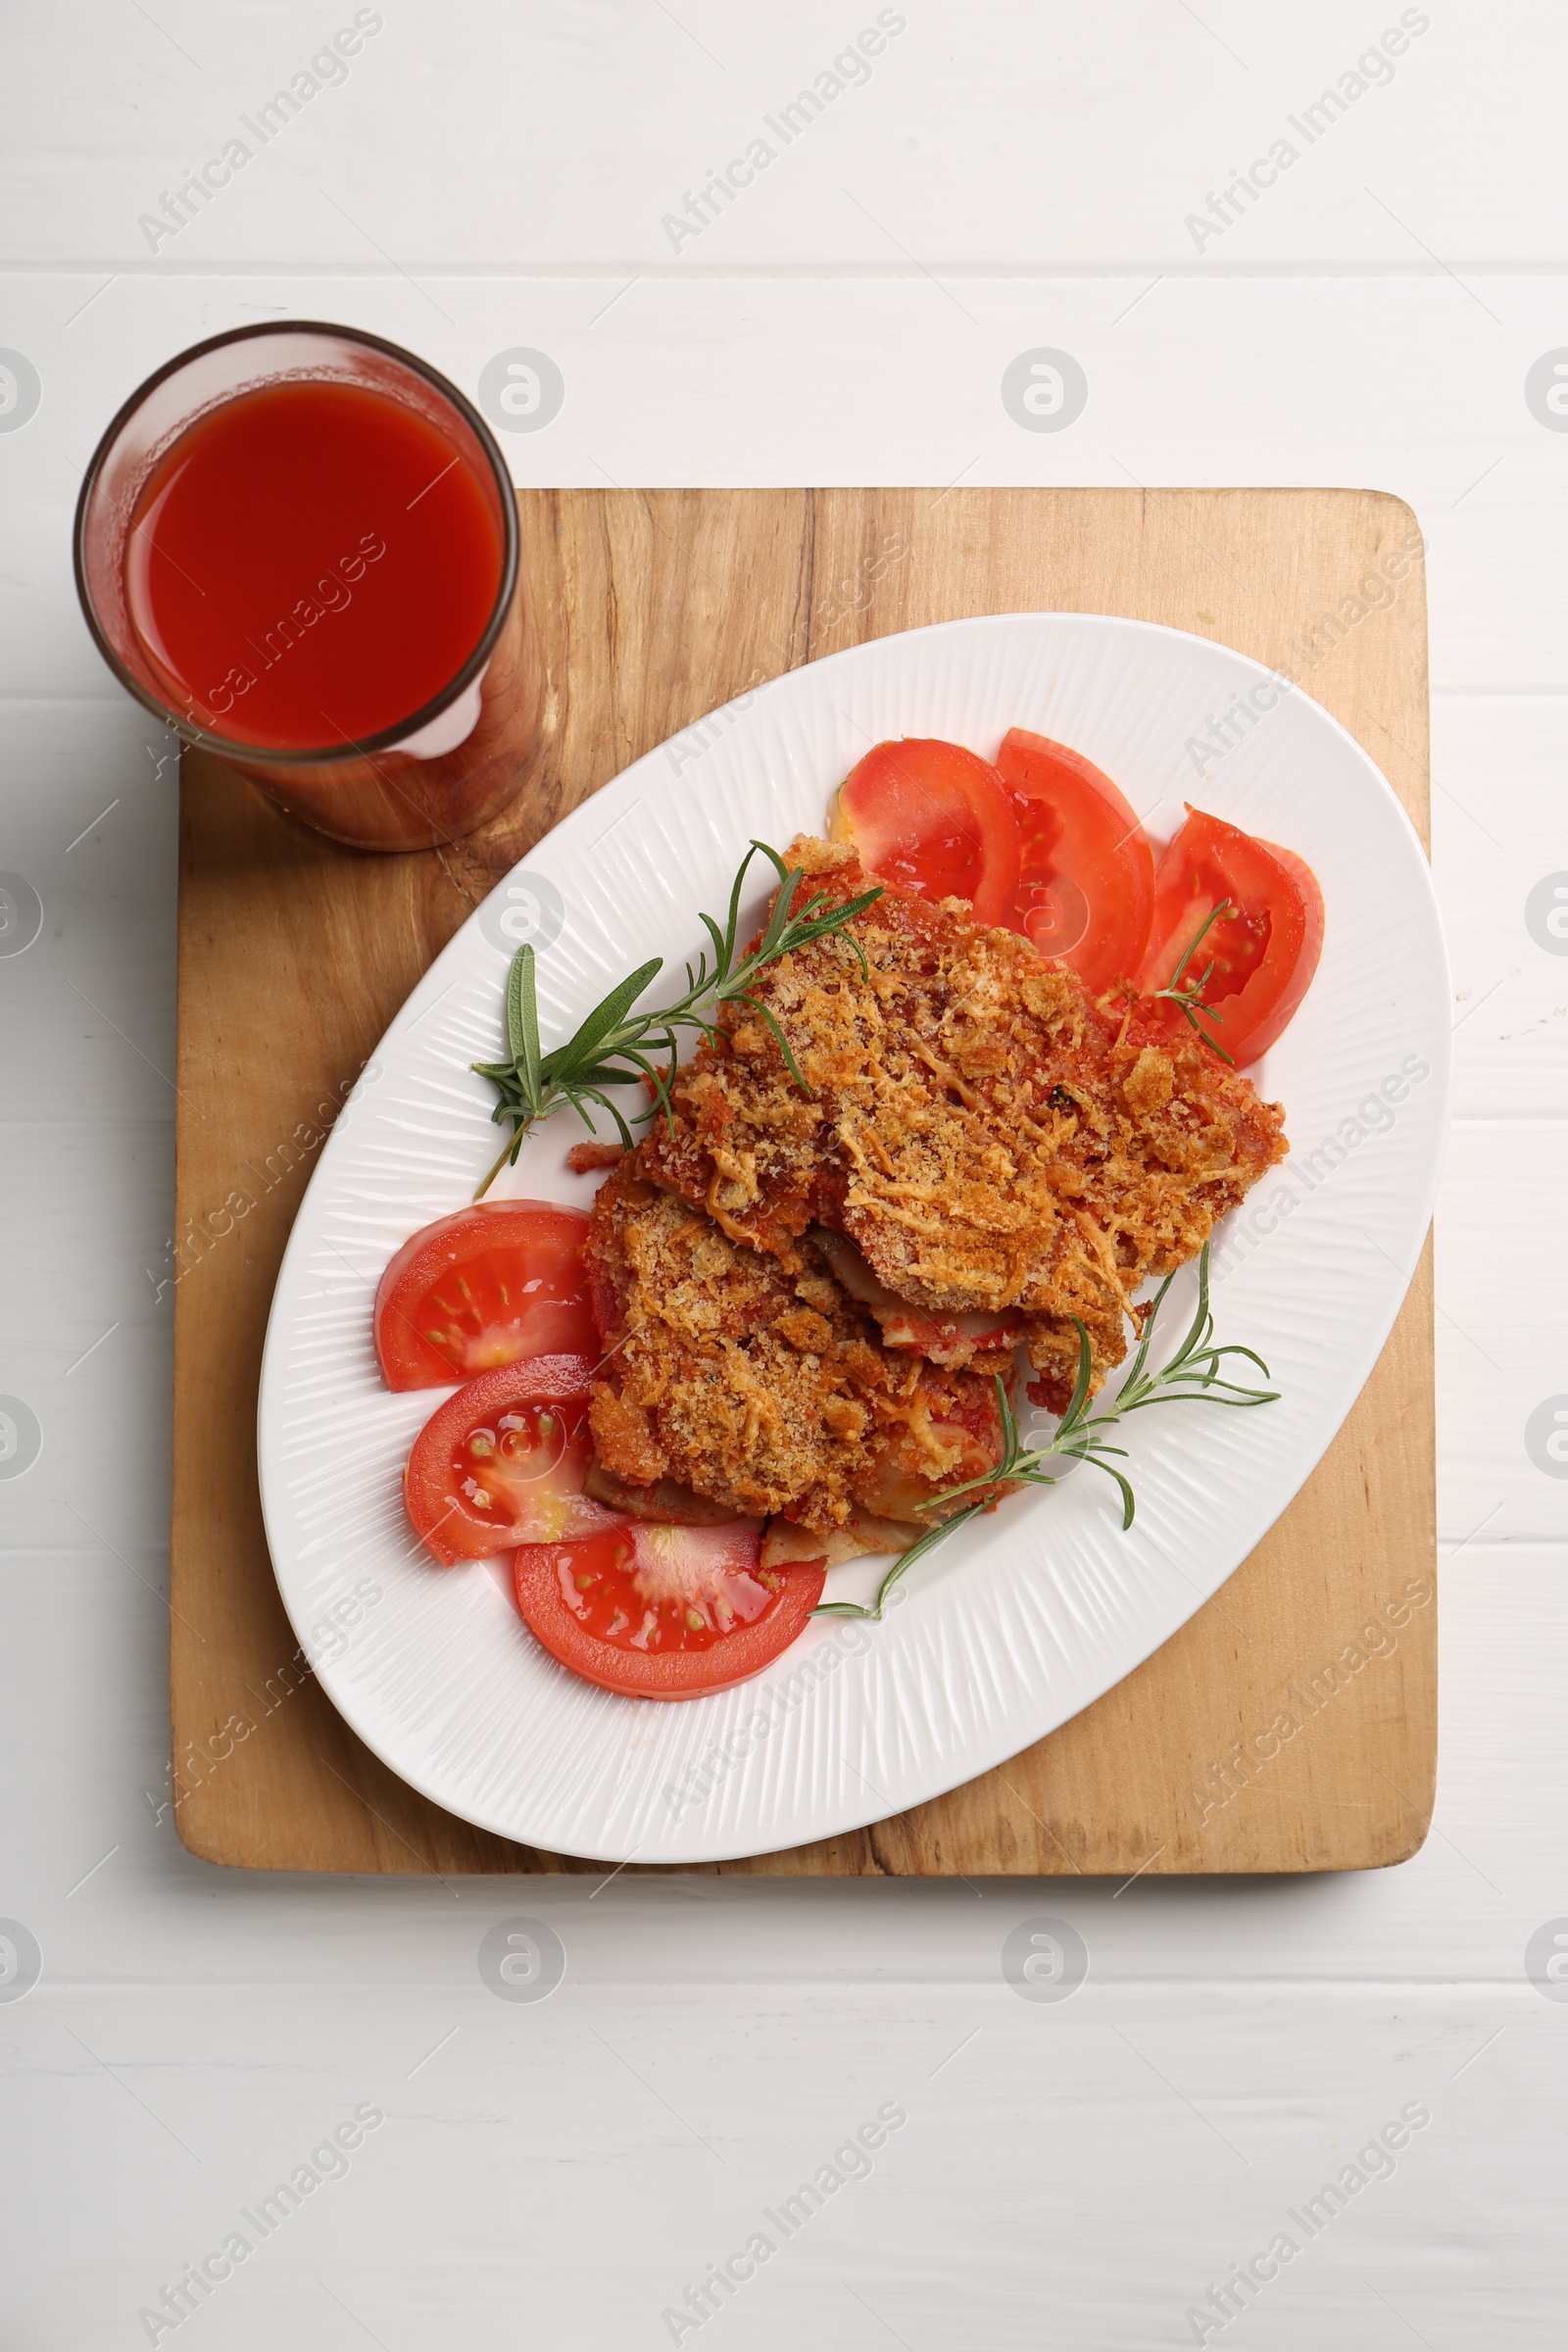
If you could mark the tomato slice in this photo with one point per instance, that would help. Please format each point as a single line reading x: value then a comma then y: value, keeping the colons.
x: 1086, y: 871
x: 481, y: 1287
x: 502, y: 1462
x: 1264, y: 954
x: 937, y: 819
x: 665, y: 1612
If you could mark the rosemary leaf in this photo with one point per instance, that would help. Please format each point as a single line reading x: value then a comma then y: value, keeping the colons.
x: 613, y: 1046
x: 1189, y: 995
x: 1079, y: 1436
x: 604, y: 1019
x: 522, y: 1022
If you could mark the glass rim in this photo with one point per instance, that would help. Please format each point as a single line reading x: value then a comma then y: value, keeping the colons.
x: 228, y: 746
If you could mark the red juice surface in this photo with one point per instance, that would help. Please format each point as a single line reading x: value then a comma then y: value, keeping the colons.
x: 309, y: 563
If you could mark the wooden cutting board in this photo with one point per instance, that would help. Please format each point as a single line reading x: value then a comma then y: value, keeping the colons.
x: 655, y: 606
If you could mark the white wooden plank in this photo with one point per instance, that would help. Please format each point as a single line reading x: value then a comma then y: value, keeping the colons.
x: 89, y: 796
x: 583, y: 2162
x: 1499, y: 857
x: 1502, y: 1291
x: 1007, y: 140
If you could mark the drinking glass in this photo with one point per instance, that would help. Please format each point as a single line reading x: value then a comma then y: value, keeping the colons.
x: 436, y: 772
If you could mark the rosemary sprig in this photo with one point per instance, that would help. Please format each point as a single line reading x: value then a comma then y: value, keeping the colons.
x: 1190, y: 995
x: 616, y: 1047
x: 1194, y: 1372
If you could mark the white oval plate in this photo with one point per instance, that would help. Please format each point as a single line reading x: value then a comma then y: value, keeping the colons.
x: 1015, y: 1624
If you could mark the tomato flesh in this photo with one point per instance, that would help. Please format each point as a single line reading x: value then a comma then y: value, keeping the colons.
x: 665, y: 1612
x: 1086, y: 871
x: 1264, y: 952
x: 946, y: 1339
x: 483, y: 1288
x: 503, y: 1463
x: 936, y: 819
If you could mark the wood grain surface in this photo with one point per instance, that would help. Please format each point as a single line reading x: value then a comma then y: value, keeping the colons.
x: 655, y: 606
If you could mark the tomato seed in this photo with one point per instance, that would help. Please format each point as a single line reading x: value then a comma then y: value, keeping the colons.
x: 696, y: 1622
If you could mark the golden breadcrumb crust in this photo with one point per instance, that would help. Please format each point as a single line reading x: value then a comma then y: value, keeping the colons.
x: 988, y: 1135
x: 755, y: 1379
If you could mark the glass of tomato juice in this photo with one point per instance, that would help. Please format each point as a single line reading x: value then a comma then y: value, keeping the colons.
x: 296, y: 544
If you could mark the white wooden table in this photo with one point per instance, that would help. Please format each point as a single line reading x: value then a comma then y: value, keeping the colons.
x: 475, y: 180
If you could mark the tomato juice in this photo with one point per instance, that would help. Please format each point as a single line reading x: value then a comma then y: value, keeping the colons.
x: 311, y: 563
